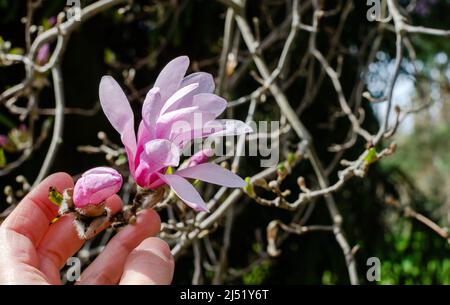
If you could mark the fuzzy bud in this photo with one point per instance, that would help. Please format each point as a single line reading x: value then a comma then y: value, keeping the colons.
x: 95, y: 186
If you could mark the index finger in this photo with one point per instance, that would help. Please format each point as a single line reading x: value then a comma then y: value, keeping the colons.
x: 34, y: 213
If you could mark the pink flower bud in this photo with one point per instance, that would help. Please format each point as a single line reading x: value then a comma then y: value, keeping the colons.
x: 95, y: 186
x: 43, y: 54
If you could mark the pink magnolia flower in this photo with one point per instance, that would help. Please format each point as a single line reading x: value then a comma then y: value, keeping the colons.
x: 176, y: 110
x: 95, y: 186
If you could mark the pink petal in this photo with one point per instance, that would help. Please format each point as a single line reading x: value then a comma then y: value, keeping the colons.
x: 181, y: 120
x: 212, y: 173
x: 177, y: 96
x: 227, y: 127
x: 101, y: 170
x: 118, y: 111
x: 163, y: 152
x: 169, y: 79
x: 143, y: 137
x: 158, y: 154
x: 200, y: 157
x: 96, y: 185
x: 145, y: 174
x: 155, y: 183
x: 185, y: 191
x: 151, y: 109
x: 210, y: 102
x: 212, y: 128
x: 205, y: 81
x: 168, y: 118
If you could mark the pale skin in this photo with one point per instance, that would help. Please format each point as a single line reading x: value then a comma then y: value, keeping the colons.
x: 33, y: 252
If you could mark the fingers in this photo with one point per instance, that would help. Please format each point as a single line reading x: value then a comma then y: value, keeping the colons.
x: 107, y: 268
x: 150, y: 263
x: 34, y: 213
x: 62, y: 241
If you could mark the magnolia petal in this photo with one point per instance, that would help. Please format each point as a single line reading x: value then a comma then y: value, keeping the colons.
x: 227, y: 127
x: 96, y: 185
x: 169, y: 79
x: 181, y: 120
x: 115, y: 104
x: 143, y: 136
x: 157, y: 155
x: 190, y: 128
x: 177, y: 96
x: 151, y: 109
x: 212, y: 128
x: 212, y: 173
x: 145, y: 174
x: 185, y: 191
x: 142, y: 173
x: 156, y: 182
x: 210, y: 103
x: 179, y: 116
x: 119, y: 113
x: 161, y: 153
x: 93, y: 190
x: 200, y: 157
x: 101, y: 170
x: 205, y: 81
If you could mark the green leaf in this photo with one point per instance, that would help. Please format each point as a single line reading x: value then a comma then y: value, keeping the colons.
x: 2, y: 158
x: 55, y: 197
x: 371, y: 156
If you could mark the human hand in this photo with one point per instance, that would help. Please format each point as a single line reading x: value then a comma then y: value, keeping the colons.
x: 32, y: 251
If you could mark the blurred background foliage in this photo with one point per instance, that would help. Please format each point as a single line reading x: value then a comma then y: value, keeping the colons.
x: 150, y: 33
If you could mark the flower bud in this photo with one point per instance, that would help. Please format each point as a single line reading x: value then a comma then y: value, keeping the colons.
x: 43, y: 54
x: 95, y: 186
